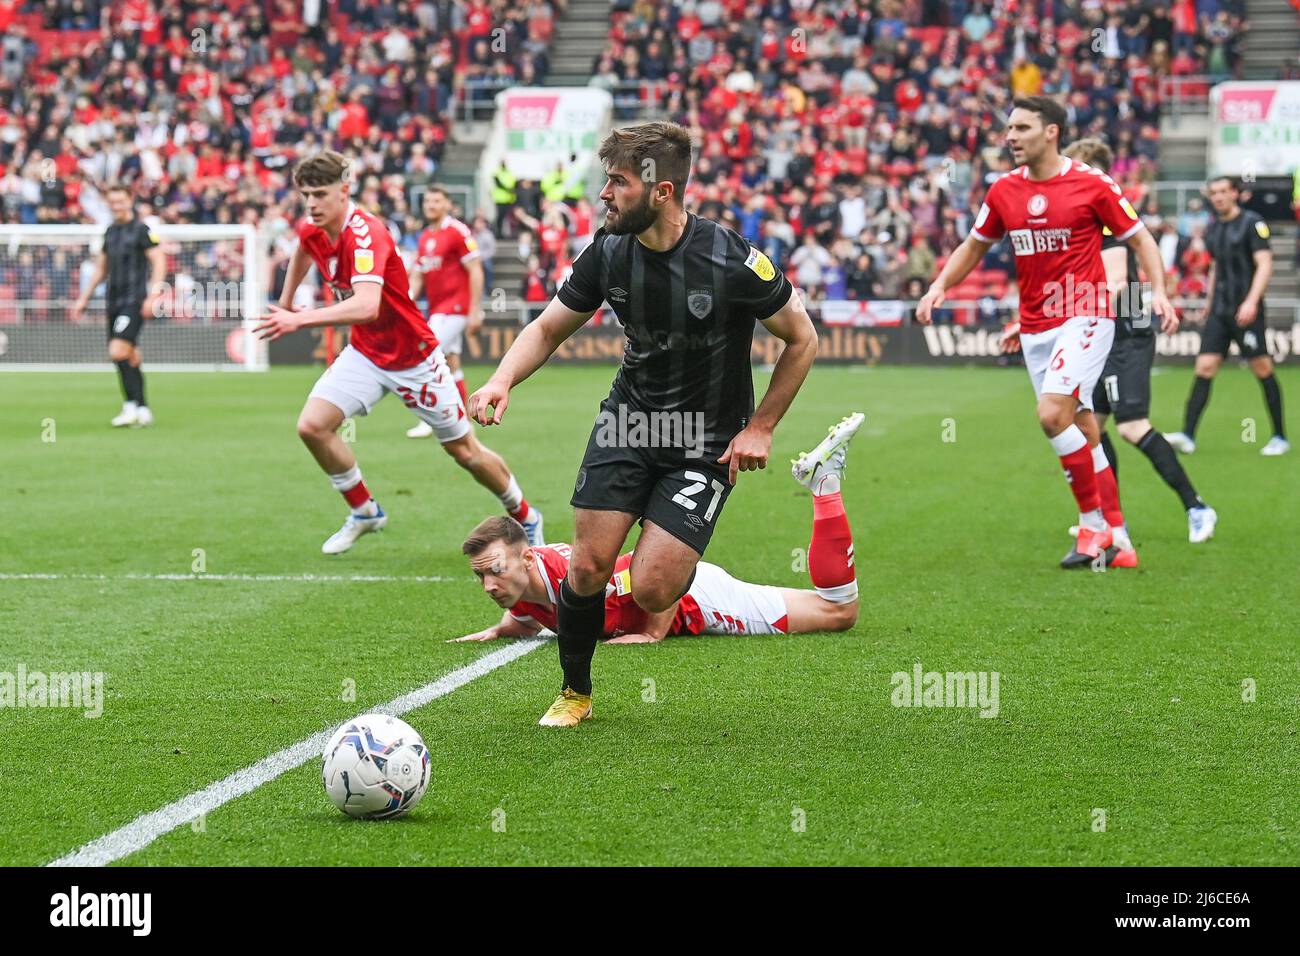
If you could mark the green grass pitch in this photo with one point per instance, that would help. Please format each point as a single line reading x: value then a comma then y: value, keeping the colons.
x: 1119, y: 692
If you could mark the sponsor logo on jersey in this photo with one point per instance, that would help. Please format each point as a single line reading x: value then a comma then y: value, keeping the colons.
x: 1037, y: 204
x: 363, y: 260
x: 1028, y: 242
x: 760, y: 265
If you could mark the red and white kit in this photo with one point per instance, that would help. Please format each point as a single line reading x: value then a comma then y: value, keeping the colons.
x: 716, y: 603
x: 443, y: 251
x: 396, y: 352
x: 1055, y: 227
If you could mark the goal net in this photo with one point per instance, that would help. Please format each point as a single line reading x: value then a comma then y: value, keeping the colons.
x: 211, y: 297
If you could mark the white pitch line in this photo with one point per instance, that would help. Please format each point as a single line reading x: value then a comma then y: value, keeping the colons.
x: 143, y: 830
x: 310, y: 578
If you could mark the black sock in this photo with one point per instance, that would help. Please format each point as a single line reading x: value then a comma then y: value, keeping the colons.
x: 124, y: 371
x: 1196, y: 404
x: 1109, y: 449
x: 137, y: 385
x: 1273, y: 397
x: 1165, y: 461
x: 581, y: 621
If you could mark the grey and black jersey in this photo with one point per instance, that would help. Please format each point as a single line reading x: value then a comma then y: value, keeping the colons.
x: 688, y: 314
x: 127, y: 245
x: 1233, y: 244
x: 1132, y: 318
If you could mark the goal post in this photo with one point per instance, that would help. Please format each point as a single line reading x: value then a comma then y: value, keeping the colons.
x: 213, y: 292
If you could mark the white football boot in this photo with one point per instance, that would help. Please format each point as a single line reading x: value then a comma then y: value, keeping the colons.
x: 1277, y: 445
x: 128, y: 416
x: 143, y: 417
x: 1180, y: 442
x: 421, y: 430
x: 1200, y: 524
x: 356, y: 525
x: 812, y: 467
x: 533, y: 528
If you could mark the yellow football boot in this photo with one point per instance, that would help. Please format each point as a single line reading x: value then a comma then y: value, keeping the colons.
x: 569, y: 710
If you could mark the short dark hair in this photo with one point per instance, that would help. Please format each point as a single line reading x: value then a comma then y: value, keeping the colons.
x: 117, y: 188
x: 1092, y: 151
x: 1232, y: 181
x: 1049, y: 111
x: 326, y: 168
x: 491, y: 530
x: 438, y: 188
x: 665, y: 145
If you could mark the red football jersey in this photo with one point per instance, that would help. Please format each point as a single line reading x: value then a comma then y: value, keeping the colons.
x: 622, y: 614
x: 400, y: 338
x: 1055, y: 228
x: 443, y: 251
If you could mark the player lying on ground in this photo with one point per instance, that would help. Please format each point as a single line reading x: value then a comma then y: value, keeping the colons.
x: 1053, y: 209
x: 526, y: 581
x: 392, y: 349
x: 1237, y: 240
x: 688, y: 293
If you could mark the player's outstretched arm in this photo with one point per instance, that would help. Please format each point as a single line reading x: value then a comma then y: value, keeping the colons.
x: 535, y: 344
x: 359, y: 308
x: 959, y: 265
x: 655, y: 629
x: 506, y: 627
x: 1148, y: 257
x: 750, y: 449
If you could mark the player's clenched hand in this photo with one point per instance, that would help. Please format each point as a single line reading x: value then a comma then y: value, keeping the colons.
x: 279, y: 322
x: 634, y: 639
x: 748, y: 451
x: 1165, y: 311
x: 1010, y: 340
x: 1246, y: 313
x: 488, y: 634
x: 929, y: 302
x: 493, y: 395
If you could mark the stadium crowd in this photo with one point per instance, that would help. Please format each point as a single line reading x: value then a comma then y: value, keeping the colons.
x: 848, y: 139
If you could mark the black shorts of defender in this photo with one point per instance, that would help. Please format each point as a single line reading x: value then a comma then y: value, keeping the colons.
x: 1124, y: 389
x: 124, y: 324
x: 680, y: 492
x: 1221, y: 330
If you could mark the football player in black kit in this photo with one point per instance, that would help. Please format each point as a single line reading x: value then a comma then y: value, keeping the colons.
x: 687, y: 292
x: 1237, y: 240
x: 1124, y: 389
x: 134, y: 265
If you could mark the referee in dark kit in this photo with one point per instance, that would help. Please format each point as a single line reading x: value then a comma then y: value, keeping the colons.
x: 134, y: 265
x: 1237, y: 240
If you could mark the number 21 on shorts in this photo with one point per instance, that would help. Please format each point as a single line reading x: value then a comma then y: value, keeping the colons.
x: 686, y: 497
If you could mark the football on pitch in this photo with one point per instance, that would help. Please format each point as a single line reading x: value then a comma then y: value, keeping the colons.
x: 375, y: 767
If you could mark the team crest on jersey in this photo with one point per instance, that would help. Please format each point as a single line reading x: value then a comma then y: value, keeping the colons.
x: 699, y: 302
x: 1037, y: 204
x: 760, y: 265
x: 363, y: 260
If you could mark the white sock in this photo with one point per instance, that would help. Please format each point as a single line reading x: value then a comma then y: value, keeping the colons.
x: 1099, y: 460
x: 1094, y: 520
x: 458, y: 376
x: 1069, y: 441
x: 512, y: 497
x: 129, y: 406
x: 346, y: 480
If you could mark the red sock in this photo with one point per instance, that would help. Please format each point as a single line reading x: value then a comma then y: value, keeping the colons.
x: 1083, y: 478
x: 830, y: 555
x: 357, y: 495
x: 520, y: 514
x: 464, y: 395
x: 1108, y: 491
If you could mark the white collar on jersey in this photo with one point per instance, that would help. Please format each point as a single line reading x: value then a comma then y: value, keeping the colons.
x: 1066, y: 163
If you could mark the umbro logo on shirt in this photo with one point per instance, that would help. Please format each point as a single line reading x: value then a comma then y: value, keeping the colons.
x: 617, y: 295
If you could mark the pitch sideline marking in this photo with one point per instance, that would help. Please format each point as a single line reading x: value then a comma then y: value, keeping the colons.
x: 312, y: 578
x: 144, y: 829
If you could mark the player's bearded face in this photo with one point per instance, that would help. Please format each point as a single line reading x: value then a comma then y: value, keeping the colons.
x: 639, y: 217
